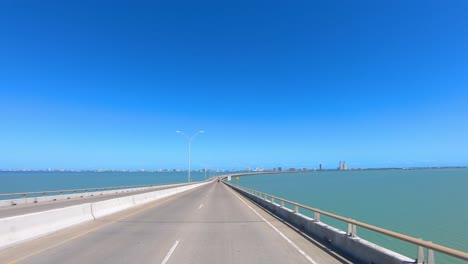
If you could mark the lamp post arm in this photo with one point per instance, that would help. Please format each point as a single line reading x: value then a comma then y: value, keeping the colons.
x: 196, y: 134
x: 182, y: 134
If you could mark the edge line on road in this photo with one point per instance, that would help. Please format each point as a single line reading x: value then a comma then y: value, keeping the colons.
x: 169, y: 254
x: 277, y: 231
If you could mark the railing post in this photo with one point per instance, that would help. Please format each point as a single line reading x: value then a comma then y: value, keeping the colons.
x: 282, y: 204
x: 430, y: 257
x: 296, y: 209
x: 352, y: 230
x: 420, y: 259
x: 316, y: 217
x: 272, y: 200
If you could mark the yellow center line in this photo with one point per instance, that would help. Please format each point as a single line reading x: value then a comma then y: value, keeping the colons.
x: 91, y: 230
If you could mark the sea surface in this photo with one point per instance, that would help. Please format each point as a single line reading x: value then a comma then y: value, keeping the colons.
x: 430, y: 204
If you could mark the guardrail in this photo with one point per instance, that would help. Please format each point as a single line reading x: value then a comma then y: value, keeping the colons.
x: 353, y: 224
x: 12, y: 199
x: 84, y: 190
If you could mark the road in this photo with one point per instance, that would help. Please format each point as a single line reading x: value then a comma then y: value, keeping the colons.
x: 210, y: 224
x: 8, y: 211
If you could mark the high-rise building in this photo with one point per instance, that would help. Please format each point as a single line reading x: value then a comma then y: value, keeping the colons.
x: 340, y: 167
x: 345, y: 167
x: 320, y: 166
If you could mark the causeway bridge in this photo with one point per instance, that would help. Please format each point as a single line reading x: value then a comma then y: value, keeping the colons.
x: 204, y: 222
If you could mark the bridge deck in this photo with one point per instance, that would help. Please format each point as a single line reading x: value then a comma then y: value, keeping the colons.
x: 211, y: 224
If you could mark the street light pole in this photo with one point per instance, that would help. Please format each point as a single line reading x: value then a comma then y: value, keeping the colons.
x: 189, y: 141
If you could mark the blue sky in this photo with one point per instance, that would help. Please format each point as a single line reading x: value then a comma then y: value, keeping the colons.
x: 105, y: 84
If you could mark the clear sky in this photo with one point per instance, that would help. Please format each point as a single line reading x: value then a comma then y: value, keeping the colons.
x: 105, y: 84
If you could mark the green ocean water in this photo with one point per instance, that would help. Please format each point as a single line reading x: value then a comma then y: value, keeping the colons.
x: 430, y: 204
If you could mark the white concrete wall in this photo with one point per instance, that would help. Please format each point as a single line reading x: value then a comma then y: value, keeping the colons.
x: 107, y: 207
x: 21, y: 228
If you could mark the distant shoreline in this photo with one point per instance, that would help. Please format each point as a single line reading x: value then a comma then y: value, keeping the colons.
x: 239, y: 171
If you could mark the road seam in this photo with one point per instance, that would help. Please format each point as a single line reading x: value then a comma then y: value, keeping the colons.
x: 92, y: 213
x: 277, y: 231
x: 169, y: 254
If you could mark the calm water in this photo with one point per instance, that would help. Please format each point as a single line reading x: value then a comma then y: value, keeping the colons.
x: 428, y: 204
x: 41, y: 181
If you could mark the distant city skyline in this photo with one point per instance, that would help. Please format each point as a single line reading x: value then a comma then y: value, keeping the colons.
x: 341, y: 167
x: 89, y: 85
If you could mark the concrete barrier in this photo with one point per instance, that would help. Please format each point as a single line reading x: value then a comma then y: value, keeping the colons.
x: 76, y: 195
x: 5, y: 203
x: 24, y: 227
x: 107, y: 207
x: 21, y: 228
x: 361, y: 250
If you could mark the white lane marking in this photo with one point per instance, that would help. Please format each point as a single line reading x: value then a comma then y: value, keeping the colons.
x: 201, y: 205
x: 279, y: 232
x: 168, y: 256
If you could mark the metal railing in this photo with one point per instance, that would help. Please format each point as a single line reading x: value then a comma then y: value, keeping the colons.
x: 352, y: 230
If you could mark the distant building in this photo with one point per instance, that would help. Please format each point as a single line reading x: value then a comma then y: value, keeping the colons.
x: 320, y: 166
x: 247, y: 169
x: 343, y: 166
x: 280, y: 169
